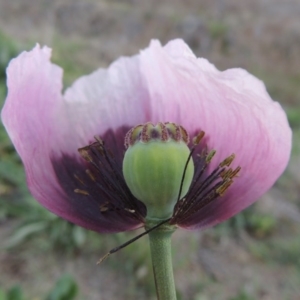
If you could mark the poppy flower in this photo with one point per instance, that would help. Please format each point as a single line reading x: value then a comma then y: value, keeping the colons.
x: 231, y: 110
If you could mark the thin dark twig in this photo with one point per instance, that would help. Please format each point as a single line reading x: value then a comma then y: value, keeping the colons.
x: 184, y: 172
x: 114, y: 250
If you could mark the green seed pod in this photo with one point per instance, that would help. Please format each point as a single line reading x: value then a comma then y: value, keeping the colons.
x: 153, y: 166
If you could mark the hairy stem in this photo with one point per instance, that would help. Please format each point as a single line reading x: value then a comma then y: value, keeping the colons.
x: 160, y: 245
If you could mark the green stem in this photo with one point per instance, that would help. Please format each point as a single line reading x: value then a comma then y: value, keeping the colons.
x: 160, y: 246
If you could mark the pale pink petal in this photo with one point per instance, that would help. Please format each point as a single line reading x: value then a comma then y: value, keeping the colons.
x: 105, y: 99
x: 47, y: 129
x: 234, y: 110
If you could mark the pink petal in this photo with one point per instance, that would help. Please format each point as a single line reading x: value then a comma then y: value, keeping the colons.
x: 234, y: 110
x: 47, y: 129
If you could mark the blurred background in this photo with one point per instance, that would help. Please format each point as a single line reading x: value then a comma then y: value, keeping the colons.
x: 255, y: 255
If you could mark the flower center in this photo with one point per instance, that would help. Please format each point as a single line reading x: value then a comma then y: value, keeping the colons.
x: 160, y: 174
x: 159, y: 169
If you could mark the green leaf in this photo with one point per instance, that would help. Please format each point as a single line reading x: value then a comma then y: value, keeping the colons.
x: 12, y: 172
x: 79, y: 235
x: 24, y: 232
x: 2, y: 294
x: 15, y: 293
x: 65, y: 289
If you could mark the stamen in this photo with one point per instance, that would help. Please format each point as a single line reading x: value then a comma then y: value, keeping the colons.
x: 210, y: 156
x: 204, y: 192
x: 104, y: 207
x: 130, y: 210
x: 189, y: 206
x: 99, y: 140
x: 84, y: 153
x: 79, y: 179
x: 91, y: 176
x: 197, y: 139
x: 82, y: 192
x: 226, y: 173
x: 235, y: 172
x: 227, y: 161
x: 222, y: 189
x: 110, y: 207
x: 112, y: 184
